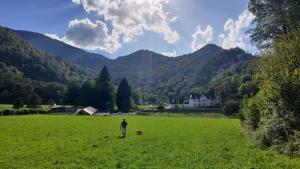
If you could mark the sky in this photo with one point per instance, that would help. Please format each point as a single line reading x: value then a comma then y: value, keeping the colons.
x: 120, y: 27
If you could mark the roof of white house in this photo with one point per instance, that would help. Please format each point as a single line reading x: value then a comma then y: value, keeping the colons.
x: 198, y: 96
x: 89, y: 110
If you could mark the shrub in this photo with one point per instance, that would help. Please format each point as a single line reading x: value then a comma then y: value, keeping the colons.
x: 231, y: 107
x: 22, y: 112
x: 250, y: 113
x: 18, y: 103
x: 160, y: 107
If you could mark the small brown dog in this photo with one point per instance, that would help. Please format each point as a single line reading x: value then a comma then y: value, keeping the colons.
x: 139, y: 132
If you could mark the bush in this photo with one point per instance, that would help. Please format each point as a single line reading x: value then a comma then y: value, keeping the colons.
x: 250, y: 113
x: 160, y: 107
x: 231, y: 107
x: 22, y: 112
x: 18, y: 103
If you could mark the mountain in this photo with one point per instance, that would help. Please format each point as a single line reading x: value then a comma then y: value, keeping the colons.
x: 156, y: 74
x: 147, y: 71
x: 35, y: 64
x: 62, y: 50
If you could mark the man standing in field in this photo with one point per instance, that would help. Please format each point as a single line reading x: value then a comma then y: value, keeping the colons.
x: 123, y: 127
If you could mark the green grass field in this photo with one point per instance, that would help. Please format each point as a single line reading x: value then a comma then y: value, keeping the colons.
x: 54, y: 141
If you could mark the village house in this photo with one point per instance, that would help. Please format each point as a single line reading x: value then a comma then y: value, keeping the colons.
x: 200, y: 100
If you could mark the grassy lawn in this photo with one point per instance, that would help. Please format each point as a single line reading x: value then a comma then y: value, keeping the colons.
x: 54, y: 141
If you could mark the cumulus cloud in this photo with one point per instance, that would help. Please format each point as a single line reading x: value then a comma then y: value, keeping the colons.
x: 201, y: 37
x: 88, y: 35
x: 233, y: 36
x: 170, y: 54
x: 128, y: 18
x: 53, y: 36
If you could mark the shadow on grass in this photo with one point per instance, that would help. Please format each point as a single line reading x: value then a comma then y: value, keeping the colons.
x: 121, y: 137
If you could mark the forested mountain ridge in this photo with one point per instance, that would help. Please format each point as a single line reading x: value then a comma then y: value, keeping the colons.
x: 35, y: 64
x: 160, y: 75
x: 150, y: 72
x: 67, y: 52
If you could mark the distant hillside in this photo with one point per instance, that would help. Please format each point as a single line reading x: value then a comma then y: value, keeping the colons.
x: 62, y: 50
x: 156, y: 74
x: 147, y: 71
x: 36, y: 65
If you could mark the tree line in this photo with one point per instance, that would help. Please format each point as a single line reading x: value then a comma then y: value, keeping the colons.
x: 272, y: 115
x: 101, y: 94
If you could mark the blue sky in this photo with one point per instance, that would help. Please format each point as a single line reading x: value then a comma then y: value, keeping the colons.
x: 116, y: 28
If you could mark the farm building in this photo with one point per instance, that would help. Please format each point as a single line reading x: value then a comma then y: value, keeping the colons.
x: 86, y: 111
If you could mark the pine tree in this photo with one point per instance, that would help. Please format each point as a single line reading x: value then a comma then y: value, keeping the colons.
x: 104, y: 91
x: 104, y: 76
x: 123, y: 100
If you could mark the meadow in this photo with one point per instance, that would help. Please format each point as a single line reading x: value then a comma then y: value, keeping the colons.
x: 62, y: 141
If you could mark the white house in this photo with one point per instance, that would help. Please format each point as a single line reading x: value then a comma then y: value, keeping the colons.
x: 200, y: 100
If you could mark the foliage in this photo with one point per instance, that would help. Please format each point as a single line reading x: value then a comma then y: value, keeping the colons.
x: 231, y: 107
x: 22, y: 112
x: 247, y: 89
x: 160, y: 107
x: 105, y: 91
x: 18, y: 103
x: 278, y: 100
x: 164, y: 78
x: 273, y: 19
x: 26, y: 71
x: 123, y: 98
x: 233, y: 84
x: 72, y: 96
x: 35, y: 64
x: 251, y: 113
x: 34, y: 102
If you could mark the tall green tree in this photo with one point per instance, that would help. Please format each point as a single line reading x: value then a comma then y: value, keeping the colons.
x: 103, y: 76
x: 87, y: 94
x: 34, y: 102
x: 72, y: 94
x: 105, y: 91
x: 274, y: 111
x: 123, y: 99
x: 272, y: 19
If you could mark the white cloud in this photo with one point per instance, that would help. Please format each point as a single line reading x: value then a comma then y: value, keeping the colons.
x: 53, y: 36
x: 76, y: 1
x: 88, y: 35
x: 129, y: 19
x: 170, y: 54
x: 233, y: 36
x: 201, y: 37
